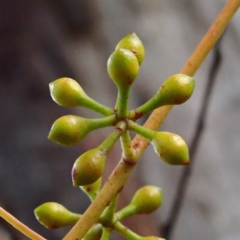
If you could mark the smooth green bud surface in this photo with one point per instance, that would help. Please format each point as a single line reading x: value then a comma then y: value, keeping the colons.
x: 66, y: 92
x: 123, y: 67
x: 171, y: 148
x: 134, y: 44
x: 147, y: 199
x: 69, y: 130
x: 53, y: 215
x: 176, y: 89
x: 94, y: 233
x: 88, y: 168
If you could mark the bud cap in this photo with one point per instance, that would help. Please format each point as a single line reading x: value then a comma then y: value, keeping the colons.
x: 69, y: 130
x: 53, y: 215
x: 171, y: 148
x: 66, y: 92
x: 88, y: 168
x: 176, y: 89
x: 134, y: 44
x: 147, y: 199
x: 123, y: 67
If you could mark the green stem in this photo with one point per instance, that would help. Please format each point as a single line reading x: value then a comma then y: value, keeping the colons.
x: 122, y: 102
x: 110, y: 141
x: 19, y: 226
x: 108, y: 219
x: 126, y: 232
x: 147, y: 133
x: 106, y: 234
x: 147, y: 107
x: 151, y: 104
x: 89, y: 103
x: 127, y: 149
x: 92, y: 189
x: 97, y: 123
x: 127, y: 211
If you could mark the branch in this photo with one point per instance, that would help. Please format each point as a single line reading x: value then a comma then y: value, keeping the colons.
x: 19, y: 226
x: 181, y: 190
x: 122, y: 171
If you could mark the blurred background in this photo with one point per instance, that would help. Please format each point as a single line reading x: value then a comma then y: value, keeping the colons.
x: 43, y: 40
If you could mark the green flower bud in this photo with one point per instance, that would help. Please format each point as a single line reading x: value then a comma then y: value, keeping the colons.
x: 134, y: 44
x: 123, y: 67
x: 94, y: 233
x: 53, y: 215
x: 176, y: 89
x: 69, y: 130
x: 88, y: 168
x: 67, y: 92
x: 171, y: 148
x: 147, y: 199
x: 92, y: 189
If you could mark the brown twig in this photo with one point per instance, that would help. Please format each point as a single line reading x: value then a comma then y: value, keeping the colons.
x: 19, y: 225
x: 168, y: 228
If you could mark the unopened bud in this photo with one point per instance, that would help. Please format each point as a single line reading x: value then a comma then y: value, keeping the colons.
x: 123, y: 67
x: 88, y: 168
x: 67, y: 92
x: 171, y: 148
x: 53, y: 215
x: 176, y: 89
x: 134, y: 44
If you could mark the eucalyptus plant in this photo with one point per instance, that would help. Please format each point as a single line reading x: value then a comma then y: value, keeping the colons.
x: 123, y: 67
x: 102, y: 217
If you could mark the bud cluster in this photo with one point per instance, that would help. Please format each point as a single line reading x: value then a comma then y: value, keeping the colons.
x: 123, y: 67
